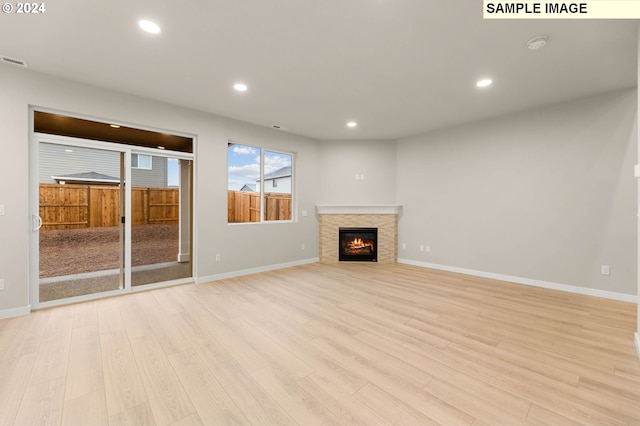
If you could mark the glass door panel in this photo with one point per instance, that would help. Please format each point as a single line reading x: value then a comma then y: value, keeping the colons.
x: 80, y: 206
x: 160, y: 219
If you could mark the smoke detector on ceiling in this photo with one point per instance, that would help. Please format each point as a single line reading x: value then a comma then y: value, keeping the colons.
x: 13, y: 61
x: 537, y: 42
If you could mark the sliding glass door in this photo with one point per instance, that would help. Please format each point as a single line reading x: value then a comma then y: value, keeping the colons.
x: 160, y: 219
x: 106, y: 218
x: 80, y: 234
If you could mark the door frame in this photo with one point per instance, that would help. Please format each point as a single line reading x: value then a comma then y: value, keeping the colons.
x: 34, y: 202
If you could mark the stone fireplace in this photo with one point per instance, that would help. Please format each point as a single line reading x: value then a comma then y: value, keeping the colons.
x: 384, y: 218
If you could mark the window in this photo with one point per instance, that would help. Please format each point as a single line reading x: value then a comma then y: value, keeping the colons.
x: 259, y: 184
x: 140, y: 161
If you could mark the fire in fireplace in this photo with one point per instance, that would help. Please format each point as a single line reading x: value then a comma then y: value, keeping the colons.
x: 358, y: 244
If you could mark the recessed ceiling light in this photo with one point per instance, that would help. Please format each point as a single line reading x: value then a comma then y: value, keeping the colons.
x: 484, y: 82
x: 161, y: 147
x: 352, y: 124
x: 68, y: 150
x: 537, y: 42
x: 115, y: 126
x: 148, y: 26
x: 240, y: 87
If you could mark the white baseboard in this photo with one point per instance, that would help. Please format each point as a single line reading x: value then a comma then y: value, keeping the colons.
x: 637, y: 339
x: 15, y: 312
x: 184, y: 257
x: 528, y: 281
x: 200, y: 280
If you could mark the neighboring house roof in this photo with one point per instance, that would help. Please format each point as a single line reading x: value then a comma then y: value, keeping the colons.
x: 248, y: 187
x: 87, y: 177
x: 283, y: 172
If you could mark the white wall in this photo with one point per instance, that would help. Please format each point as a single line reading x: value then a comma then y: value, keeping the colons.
x: 548, y: 194
x: 637, y: 336
x: 241, y: 246
x: 340, y: 161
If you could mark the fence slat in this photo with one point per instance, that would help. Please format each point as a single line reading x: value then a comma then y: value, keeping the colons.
x: 63, y: 207
x: 245, y: 206
x: 83, y: 206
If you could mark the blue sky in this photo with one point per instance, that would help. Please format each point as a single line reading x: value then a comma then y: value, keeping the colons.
x: 244, y: 164
x: 173, y: 172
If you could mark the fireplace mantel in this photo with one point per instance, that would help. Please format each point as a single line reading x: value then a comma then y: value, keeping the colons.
x: 358, y: 209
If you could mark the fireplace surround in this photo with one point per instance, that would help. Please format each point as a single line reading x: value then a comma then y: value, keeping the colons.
x: 383, y: 217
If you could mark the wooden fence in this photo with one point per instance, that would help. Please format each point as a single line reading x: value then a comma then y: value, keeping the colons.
x: 245, y: 206
x: 85, y: 206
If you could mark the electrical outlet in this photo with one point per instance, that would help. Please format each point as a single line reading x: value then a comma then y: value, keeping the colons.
x: 361, y: 177
x: 218, y: 257
x: 604, y: 269
x: 2, y: 284
x: 421, y: 248
x: 404, y: 245
x: 427, y: 248
x: 302, y: 246
x: 304, y: 213
x: 357, y: 176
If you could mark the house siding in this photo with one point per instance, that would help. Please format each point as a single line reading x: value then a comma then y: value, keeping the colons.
x: 283, y: 185
x: 55, y: 161
x: 154, y: 178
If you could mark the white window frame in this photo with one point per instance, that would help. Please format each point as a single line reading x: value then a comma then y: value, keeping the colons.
x: 262, y: 184
x: 137, y: 161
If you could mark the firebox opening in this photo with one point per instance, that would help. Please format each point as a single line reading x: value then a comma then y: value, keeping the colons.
x: 358, y: 244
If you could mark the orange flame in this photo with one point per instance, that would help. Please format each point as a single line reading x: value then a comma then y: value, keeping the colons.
x: 358, y: 243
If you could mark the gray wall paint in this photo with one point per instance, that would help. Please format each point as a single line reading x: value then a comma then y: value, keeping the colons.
x: 340, y: 161
x: 548, y: 194
x: 638, y: 198
x: 270, y: 244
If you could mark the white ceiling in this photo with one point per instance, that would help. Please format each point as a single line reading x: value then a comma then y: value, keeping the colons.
x: 397, y: 67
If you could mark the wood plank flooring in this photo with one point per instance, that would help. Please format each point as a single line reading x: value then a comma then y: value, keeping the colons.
x: 325, y: 344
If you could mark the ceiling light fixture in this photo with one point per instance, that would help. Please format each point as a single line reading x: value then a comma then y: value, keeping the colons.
x: 240, y: 87
x: 148, y: 26
x: 161, y: 147
x: 352, y: 124
x: 484, y: 82
x: 68, y: 150
x: 537, y: 42
x: 115, y: 126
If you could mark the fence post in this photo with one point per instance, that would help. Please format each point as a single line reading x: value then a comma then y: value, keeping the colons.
x: 88, y: 209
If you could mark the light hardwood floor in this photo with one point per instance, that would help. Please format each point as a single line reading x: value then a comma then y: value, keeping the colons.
x: 325, y: 344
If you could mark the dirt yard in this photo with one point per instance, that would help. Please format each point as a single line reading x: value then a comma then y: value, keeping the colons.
x: 74, y: 251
